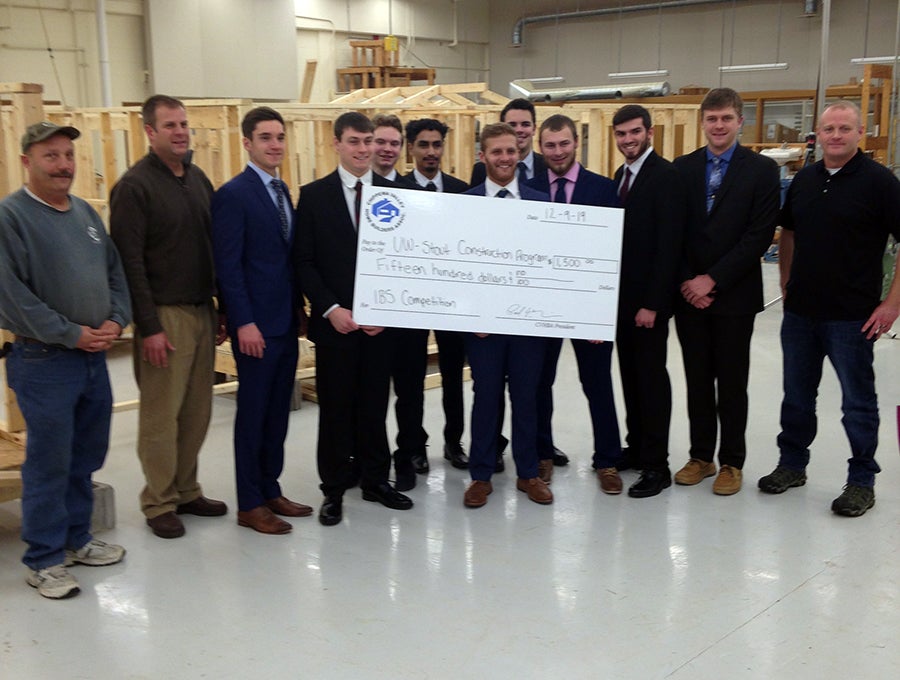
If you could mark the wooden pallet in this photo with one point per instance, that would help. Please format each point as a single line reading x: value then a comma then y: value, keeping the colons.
x: 12, y: 455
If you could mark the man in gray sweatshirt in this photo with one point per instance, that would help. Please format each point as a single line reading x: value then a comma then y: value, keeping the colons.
x: 63, y: 293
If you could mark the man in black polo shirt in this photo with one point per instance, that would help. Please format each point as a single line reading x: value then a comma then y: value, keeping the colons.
x: 835, y: 221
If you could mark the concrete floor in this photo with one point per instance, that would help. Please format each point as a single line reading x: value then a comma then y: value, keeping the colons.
x: 683, y: 585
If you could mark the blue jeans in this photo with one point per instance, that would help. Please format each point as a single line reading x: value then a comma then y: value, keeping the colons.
x: 66, y: 400
x: 805, y: 343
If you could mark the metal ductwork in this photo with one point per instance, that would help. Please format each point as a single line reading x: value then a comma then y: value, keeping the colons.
x: 526, y: 90
x: 581, y: 14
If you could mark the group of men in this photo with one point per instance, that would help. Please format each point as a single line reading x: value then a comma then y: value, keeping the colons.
x: 694, y: 232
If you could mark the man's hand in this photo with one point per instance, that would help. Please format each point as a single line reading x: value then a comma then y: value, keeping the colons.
x: 302, y: 322
x: 342, y: 320
x: 371, y: 330
x: 156, y: 349
x: 881, y: 320
x: 251, y: 341
x: 698, y: 291
x: 221, y: 330
x: 98, y: 339
x: 645, y: 318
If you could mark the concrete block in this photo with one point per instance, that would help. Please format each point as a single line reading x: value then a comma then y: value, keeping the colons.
x: 104, y: 515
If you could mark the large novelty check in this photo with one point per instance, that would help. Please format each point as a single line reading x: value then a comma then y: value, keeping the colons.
x: 489, y: 265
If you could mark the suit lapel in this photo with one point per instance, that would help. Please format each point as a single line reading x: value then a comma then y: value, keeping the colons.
x: 728, y: 180
x: 267, y: 205
x: 642, y: 176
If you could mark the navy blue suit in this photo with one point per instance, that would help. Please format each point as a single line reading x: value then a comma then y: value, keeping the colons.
x: 256, y: 285
x: 495, y: 360
x: 594, y: 360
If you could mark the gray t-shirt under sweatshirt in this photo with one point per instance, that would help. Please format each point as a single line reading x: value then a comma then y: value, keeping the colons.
x: 59, y: 270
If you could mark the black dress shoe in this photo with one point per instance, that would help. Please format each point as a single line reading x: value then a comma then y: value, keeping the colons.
x: 502, y: 443
x: 559, y: 458
x: 628, y: 461
x: 650, y: 483
x: 404, y: 476
x: 457, y: 457
x: 385, y: 494
x: 420, y: 463
x: 332, y: 510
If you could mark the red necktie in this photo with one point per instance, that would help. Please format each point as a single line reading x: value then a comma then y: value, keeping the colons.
x: 623, y: 190
x: 357, y: 203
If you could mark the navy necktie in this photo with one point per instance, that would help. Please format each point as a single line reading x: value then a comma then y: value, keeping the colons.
x: 431, y: 186
x: 715, y: 181
x: 282, y: 213
x: 503, y: 193
x: 560, y: 196
x: 523, y: 172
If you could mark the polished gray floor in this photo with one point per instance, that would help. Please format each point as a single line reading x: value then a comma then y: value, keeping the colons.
x: 685, y: 585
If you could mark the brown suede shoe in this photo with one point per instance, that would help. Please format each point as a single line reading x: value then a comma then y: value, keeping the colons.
x: 288, y: 508
x: 166, y: 525
x: 610, y: 482
x: 263, y: 520
x: 536, y: 488
x: 695, y: 471
x: 545, y: 470
x: 477, y: 493
x: 728, y: 482
x: 202, y: 507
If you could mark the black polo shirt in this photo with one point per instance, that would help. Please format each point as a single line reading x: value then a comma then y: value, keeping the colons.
x: 841, y: 224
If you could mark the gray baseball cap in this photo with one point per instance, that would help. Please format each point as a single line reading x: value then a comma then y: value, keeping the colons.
x: 45, y: 130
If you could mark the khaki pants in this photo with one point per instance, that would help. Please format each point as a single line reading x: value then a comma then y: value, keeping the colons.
x: 175, y: 407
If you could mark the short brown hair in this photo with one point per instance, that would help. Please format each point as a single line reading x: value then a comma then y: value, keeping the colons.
x: 388, y: 120
x: 148, y: 109
x: 722, y: 98
x: 352, y: 119
x: 495, y: 130
x: 557, y: 122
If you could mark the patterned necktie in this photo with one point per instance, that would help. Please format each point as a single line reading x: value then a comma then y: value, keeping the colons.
x: 626, y: 185
x: 279, y: 188
x: 560, y: 196
x: 523, y: 171
x: 715, y: 181
x: 503, y: 193
x: 357, y: 203
x: 431, y: 186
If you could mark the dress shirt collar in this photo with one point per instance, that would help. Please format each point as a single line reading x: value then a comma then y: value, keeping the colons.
x: 491, y: 187
x: 636, y: 165
x: 571, y: 173
x: 348, y: 179
x: 725, y: 156
x: 423, y: 181
x: 529, y: 163
x: 263, y: 175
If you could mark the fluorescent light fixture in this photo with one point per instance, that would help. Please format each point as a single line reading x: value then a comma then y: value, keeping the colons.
x: 741, y: 68
x: 873, y: 60
x: 548, y: 79
x: 640, y: 74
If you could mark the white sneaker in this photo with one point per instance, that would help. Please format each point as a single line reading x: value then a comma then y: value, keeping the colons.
x: 54, y: 582
x: 95, y: 553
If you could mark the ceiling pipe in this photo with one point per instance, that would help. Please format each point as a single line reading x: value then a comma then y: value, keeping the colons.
x: 581, y: 14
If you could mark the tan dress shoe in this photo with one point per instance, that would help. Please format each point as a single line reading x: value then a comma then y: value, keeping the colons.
x: 728, y: 482
x: 610, y: 482
x: 288, y: 508
x: 477, y: 493
x: 263, y: 520
x: 545, y: 470
x: 536, y: 488
x: 695, y: 471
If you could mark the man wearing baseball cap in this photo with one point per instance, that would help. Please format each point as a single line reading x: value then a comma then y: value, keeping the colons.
x: 63, y: 293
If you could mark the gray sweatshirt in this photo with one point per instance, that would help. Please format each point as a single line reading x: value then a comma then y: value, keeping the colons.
x: 59, y: 270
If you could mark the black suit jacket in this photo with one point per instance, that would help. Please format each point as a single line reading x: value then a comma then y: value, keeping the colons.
x: 479, y: 174
x: 325, y: 252
x: 727, y: 244
x: 452, y: 185
x: 652, y: 237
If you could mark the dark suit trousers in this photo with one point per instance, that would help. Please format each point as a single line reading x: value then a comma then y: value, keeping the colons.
x: 646, y: 388
x: 408, y: 365
x: 265, y: 387
x: 451, y: 360
x: 595, y: 372
x: 496, y: 360
x: 353, y: 383
x: 716, y: 353
x: 552, y: 348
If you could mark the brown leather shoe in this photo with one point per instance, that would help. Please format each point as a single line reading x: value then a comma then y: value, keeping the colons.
x: 477, y: 493
x: 263, y: 520
x: 545, y: 470
x: 166, y: 525
x: 536, y: 488
x: 610, y: 482
x: 695, y: 471
x: 288, y: 508
x: 202, y: 507
x: 728, y: 482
